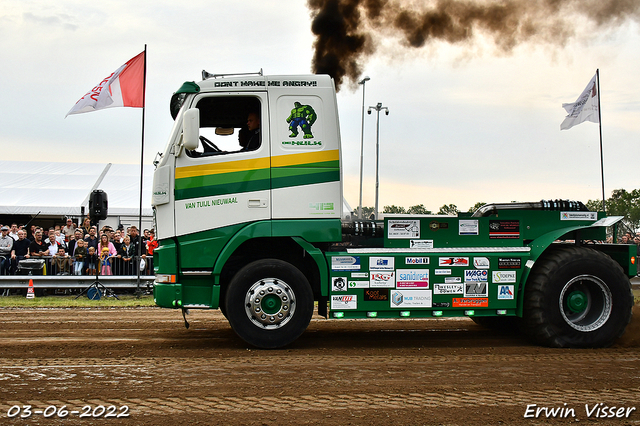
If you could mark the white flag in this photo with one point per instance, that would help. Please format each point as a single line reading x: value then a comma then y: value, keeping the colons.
x: 123, y: 88
x: 585, y: 108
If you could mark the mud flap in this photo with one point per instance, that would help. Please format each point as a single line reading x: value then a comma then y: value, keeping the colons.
x: 322, y: 307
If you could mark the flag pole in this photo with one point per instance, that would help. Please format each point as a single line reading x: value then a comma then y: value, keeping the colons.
x: 144, y: 103
x: 600, y: 125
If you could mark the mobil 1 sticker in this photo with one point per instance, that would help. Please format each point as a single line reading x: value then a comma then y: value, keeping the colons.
x: 509, y: 263
x: 476, y: 275
x: 476, y: 289
x: 416, y: 260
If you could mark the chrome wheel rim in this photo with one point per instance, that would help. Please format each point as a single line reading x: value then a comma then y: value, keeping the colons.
x: 270, y: 303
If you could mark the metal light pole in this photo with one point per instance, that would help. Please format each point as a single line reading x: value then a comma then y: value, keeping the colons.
x: 363, y: 81
x: 377, y: 108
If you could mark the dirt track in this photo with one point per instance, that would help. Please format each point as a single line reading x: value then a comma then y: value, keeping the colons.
x: 409, y: 372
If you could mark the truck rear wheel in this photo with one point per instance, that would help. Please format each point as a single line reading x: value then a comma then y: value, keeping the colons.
x: 269, y: 303
x: 577, y: 297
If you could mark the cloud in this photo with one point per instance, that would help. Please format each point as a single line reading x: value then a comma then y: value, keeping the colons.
x: 58, y: 20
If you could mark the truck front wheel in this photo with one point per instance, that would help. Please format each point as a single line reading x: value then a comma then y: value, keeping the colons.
x: 577, y: 297
x: 269, y: 303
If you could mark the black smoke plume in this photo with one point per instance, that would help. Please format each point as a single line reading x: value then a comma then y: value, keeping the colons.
x: 344, y: 29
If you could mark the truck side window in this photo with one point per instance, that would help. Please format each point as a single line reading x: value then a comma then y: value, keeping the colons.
x: 228, y: 124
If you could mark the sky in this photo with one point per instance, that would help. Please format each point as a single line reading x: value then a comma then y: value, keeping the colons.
x: 467, y: 122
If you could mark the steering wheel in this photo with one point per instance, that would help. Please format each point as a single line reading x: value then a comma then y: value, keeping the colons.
x: 208, y: 145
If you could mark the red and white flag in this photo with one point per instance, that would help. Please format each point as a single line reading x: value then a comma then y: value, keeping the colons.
x: 585, y: 108
x: 123, y: 88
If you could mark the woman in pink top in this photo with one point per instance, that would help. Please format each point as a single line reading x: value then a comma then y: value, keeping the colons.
x: 106, y: 250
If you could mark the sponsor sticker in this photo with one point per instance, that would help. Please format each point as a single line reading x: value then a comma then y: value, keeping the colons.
x: 504, y: 229
x: 358, y: 284
x: 398, y: 229
x: 345, y: 263
x: 505, y: 292
x: 381, y: 264
x: 411, y: 299
x: 348, y: 301
x: 339, y: 284
x: 453, y: 261
x: 468, y: 302
x: 475, y: 275
x: 376, y: 295
x: 442, y: 271
x: 500, y: 277
x: 476, y: 290
x: 578, y: 216
x: 481, y: 263
x: 421, y: 244
x: 452, y: 280
x: 435, y: 225
x: 382, y: 280
x: 448, y: 289
x: 467, y: 227
x: 359, y: 275
x: 412, y: 278
x: 441, y: 304
x: 416, y: 260
x: 509, y: 263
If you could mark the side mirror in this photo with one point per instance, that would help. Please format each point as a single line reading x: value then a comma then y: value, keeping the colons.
x: 191, y: 129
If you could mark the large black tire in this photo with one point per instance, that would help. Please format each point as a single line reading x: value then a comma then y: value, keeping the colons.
x: 269, y: 303
x: 576, y: 297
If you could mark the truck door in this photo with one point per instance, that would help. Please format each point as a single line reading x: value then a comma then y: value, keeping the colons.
x: 225, y: 182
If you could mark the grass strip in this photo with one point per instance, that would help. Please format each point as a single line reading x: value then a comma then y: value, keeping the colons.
x: 126, y: 301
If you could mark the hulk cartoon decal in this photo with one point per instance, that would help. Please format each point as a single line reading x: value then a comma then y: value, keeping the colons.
x: 302, y: 116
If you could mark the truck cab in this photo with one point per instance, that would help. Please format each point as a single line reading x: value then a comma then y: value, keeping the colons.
x: 219, y: 205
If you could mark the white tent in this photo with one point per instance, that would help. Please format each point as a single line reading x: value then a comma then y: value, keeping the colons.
x: 29, y: 188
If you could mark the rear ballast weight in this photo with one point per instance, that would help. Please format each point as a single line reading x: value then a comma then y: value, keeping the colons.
x: 256, y: 229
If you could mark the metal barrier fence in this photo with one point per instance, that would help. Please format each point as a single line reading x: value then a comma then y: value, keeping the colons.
x: 56, y: 265
x: 53, y: 274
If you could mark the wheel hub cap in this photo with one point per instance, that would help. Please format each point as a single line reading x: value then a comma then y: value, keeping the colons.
x: 585, y: 303
x: 270, y: 303
x: 577, y: 301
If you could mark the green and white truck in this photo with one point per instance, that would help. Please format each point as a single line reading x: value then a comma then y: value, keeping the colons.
x: 258, y: 231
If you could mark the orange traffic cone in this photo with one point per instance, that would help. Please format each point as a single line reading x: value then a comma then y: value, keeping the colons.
x: 30, y: 293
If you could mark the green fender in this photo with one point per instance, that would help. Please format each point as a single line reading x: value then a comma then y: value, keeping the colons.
x: 253, y: 230
x: 264, y: 229
x: 317, y: 255
x: 539, y: 246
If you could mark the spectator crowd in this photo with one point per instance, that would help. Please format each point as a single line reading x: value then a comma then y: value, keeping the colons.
x: 76, y: 250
